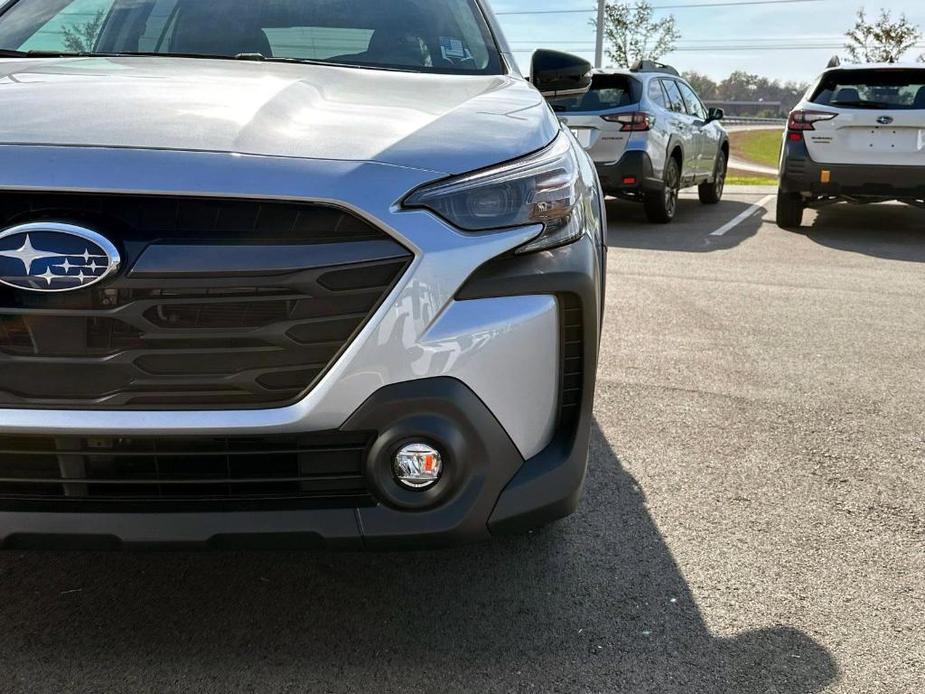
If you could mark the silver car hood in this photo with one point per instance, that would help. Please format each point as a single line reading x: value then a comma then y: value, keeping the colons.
x: 443, y: 123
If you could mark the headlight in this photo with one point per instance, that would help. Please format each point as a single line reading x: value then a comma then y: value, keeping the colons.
x: 543, y: 188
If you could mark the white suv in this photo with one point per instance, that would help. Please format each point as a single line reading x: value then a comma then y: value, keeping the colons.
x: 649, y: 136
x: 858, y: 135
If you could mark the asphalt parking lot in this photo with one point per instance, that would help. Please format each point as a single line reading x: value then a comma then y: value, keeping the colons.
x: 753, y: 520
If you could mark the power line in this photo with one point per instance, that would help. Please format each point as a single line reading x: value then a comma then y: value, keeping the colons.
x: 768, y: 40
x: 548, y: 12
x: 719, y: 49
x: 731, y: 3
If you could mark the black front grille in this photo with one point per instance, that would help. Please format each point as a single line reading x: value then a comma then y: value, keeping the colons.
x: 79, y: 473
x: 229, y: 325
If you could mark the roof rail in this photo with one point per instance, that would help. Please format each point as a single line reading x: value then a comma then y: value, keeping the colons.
x: 834, y: 61
x: 653, y: 66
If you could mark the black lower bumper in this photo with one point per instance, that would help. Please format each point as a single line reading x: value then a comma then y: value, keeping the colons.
x: 801, y: 174
x: 632, y: 174
x: 489, y: 488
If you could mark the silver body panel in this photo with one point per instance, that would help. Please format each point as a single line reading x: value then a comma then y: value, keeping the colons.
x: 419, y: 332
x: 274, y: 109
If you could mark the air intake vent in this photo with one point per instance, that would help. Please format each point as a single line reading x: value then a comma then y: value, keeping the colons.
x: 572, y: 349
x: 76, y: 473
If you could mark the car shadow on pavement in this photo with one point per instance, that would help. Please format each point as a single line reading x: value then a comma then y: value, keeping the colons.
x: 891, y: 231
x: 594, y: 603
x: 690, y: 231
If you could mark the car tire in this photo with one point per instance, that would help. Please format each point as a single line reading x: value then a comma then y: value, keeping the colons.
x: 661, y: 207
x: 711, y: 192
x: 789, y: 210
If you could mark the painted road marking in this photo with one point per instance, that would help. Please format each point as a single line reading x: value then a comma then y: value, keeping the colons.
x: 760, y: 205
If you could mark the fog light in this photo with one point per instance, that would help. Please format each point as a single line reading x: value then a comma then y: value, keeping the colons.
x: 417, y: 466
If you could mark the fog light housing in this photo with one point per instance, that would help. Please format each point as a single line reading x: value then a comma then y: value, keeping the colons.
x: 417, y: 466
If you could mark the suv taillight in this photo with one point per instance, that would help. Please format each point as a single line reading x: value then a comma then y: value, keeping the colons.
x: 633, y: 122
x: 803, y: 120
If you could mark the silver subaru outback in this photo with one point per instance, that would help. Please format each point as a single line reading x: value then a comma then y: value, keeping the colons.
x: 289, y: 272
x: 650, y: 136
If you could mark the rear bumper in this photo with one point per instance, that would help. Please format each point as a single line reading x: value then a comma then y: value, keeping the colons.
x: 635, y: 165
x: 491, y: 488
x: 801, y: 174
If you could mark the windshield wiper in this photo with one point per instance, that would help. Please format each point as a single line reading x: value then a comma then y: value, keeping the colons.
x: 10, y: 53
x: 256, y: 57
x: 310, y: 61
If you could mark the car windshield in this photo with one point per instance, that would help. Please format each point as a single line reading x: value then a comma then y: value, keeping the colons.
x: 607, y: 91
x: 882, y: 89
x: 445, y: 36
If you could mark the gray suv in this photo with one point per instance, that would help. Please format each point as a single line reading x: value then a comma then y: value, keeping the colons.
x: 650, y: 136
x: 289, y: 273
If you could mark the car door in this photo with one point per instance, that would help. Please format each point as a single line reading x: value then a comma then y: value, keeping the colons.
x: 660, y: 135
x: 703, y: 133
x: 683, y: 126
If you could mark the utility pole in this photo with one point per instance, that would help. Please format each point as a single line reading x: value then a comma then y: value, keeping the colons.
x: 599, y: 44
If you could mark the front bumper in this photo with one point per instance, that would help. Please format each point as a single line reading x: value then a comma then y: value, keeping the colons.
x: 635, y: 165
x: 427, y: 364
x: 802, y: 175
x: 494, y: 490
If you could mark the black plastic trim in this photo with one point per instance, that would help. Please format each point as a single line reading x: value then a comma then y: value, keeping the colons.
x: 480, y: 455
x: 801, y: 174
x: 549, y: 485
x: 227, y: 260
x: 480, y: 460
x: 635, y: 163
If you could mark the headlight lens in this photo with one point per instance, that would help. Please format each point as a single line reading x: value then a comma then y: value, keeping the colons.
x: 544, y: 188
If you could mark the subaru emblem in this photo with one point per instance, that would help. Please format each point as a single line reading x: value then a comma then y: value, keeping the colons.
x: 885, y: 120
x: 54, y: 257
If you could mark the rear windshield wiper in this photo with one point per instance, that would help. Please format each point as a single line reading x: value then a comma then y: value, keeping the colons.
x: 861, y: 104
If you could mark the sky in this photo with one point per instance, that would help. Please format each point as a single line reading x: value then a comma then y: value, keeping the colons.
x: 753, y: 30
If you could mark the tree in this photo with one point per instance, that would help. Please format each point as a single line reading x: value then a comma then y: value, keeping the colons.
x: 634, y: 33
x: 741, y: 86
x: 702, y: 84
x: 883, y: 41
x: 80, y: 38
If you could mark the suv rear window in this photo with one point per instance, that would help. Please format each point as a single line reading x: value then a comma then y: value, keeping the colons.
x: 883, y: 89
x: 607, y: 91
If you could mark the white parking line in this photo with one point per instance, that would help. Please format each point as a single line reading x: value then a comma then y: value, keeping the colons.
x: 760, y: 205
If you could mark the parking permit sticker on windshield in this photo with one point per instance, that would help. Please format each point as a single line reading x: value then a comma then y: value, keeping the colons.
x: 451, y: 48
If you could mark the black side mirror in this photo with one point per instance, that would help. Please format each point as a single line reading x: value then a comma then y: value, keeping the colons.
x: 715, y: 114
x: 557, y: 74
